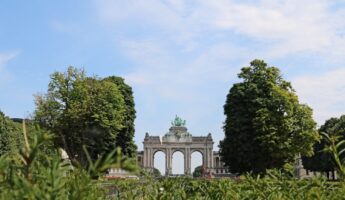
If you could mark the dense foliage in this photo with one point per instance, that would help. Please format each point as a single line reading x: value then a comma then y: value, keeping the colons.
x: 266, y: 126
x: 31, y: 173
x: 156, y: 173
x: 198, y: 172
x: 273, y: 186
x: 10, y: 133
x: 322, y: 160
x: 81, y: 110
x: 124, y: 138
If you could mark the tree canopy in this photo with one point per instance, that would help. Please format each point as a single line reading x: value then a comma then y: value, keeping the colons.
x: 266, y: 126
x: 124, y: 138
x: 81, y: 110
x: 321, y: 160
x: 198, y: 171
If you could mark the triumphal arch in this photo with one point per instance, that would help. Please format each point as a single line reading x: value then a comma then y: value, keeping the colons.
x: 178, y: 139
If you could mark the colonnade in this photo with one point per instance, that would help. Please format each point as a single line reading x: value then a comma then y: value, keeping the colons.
x: 149, y: 153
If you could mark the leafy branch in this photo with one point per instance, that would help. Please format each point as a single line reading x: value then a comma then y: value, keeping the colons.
x: 336, y: 148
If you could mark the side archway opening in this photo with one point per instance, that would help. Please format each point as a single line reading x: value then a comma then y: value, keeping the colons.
x: 196, y: 163
x: 159, y: 163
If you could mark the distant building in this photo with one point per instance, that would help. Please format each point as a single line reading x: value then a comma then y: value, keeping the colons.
x: 179, y: 139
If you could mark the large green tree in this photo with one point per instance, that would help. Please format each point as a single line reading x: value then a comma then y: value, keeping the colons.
x: 124, y: 138
x: 81, y: 110
x: 266, y: 126
x: 321, y: 160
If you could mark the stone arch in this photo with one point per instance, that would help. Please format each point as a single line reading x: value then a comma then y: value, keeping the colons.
x: 178, y: 162
x: 157, y: 157
x: 158, y: 150
x: 197, y: 159
x: 197, y: 150
x: 174, y: 150
x: 204, y: 155
x: 178, y: 139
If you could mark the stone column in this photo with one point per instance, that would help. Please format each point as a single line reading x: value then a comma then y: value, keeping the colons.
x: 152, y: 159
x: 211, y: 158
x: 206, y: 158
x: 168, y: 161
x: 185, y: 161
x: 145, y: 157
x: 185, y: 164
x: 149, y: 159
x: 188, y: 161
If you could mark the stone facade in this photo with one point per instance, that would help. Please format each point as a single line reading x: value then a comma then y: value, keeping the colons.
x: 179, y: 139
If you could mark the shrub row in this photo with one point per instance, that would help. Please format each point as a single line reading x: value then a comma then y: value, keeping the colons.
x: 273, y: 186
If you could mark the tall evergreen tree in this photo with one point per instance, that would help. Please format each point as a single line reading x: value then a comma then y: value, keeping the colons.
x: 266, y: 126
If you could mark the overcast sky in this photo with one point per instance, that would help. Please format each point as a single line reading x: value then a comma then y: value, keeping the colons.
x: 180, y: 57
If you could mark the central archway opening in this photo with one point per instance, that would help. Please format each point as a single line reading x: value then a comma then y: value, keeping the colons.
x: 196, y: 163
x: 177, y: 163
x: 159, y: 163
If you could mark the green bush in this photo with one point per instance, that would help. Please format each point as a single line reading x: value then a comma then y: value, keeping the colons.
x: 32, y: 173
x: 273, y: 186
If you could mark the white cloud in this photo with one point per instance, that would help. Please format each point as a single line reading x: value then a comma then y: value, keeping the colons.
x: 6, y: 57
x: 170, y: 19
x: 286, y: 27
x: 177, y: 52
x: 280, y: 27
x: 179, y: 48
x: 325, y: 93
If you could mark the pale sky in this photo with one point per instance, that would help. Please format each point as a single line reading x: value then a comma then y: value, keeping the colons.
x: 180, y: 57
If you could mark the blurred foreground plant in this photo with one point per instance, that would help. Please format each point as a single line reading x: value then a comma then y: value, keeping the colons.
x: 33, y: 174
x: 336, y: 148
